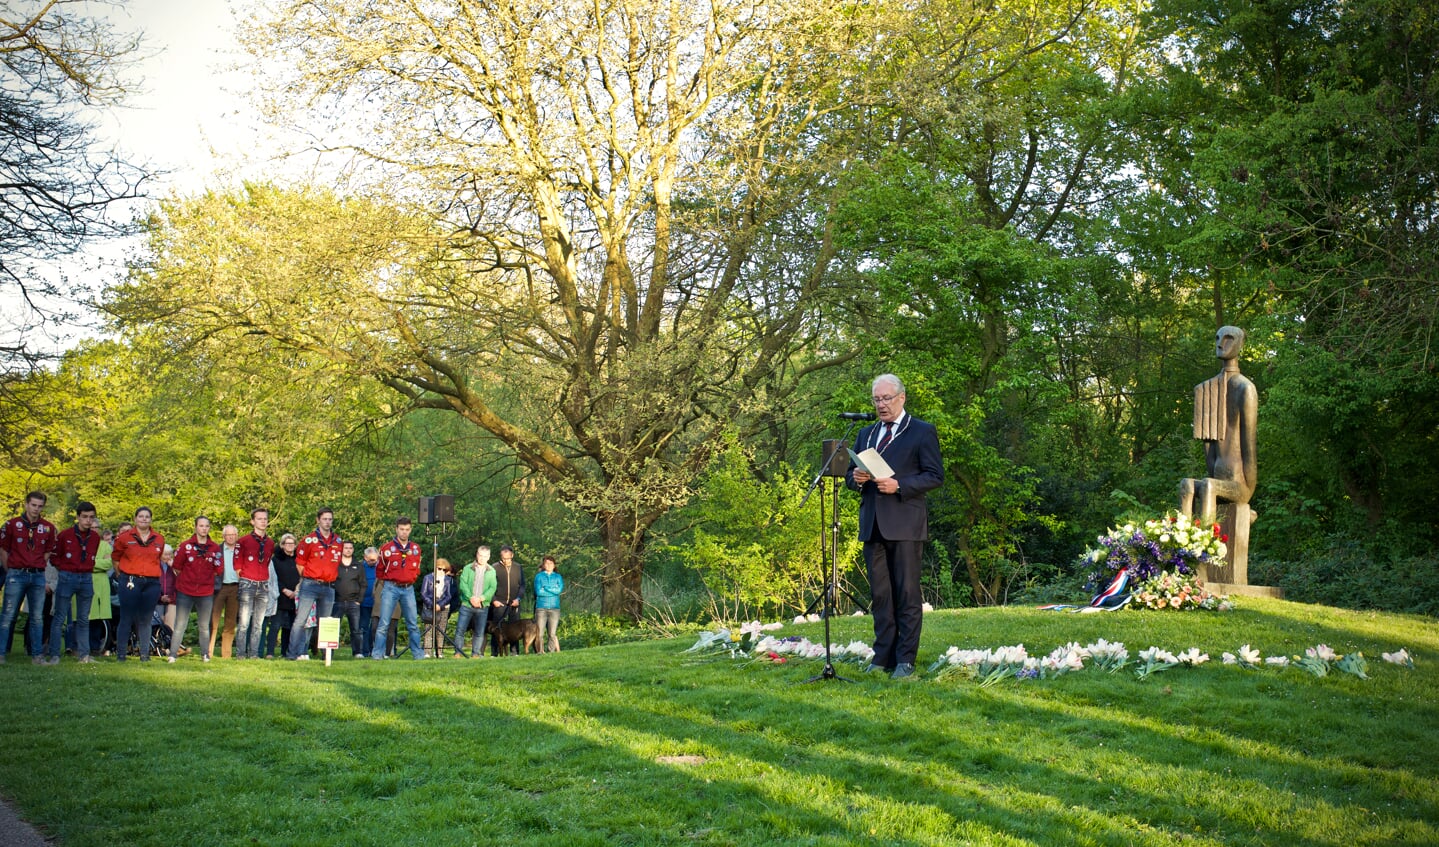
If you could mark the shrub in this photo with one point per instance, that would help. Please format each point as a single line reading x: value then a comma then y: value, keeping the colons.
x: 1354, y: 575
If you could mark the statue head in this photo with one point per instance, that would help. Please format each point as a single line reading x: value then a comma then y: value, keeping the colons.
x: 1228, y: 342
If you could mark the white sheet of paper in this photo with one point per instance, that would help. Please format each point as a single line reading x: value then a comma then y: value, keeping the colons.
x: 872, y: 463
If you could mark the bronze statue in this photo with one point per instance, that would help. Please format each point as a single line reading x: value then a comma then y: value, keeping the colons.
x: 1226, y: 414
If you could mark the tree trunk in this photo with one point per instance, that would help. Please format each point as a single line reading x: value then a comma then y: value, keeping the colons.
x: 623, y: 533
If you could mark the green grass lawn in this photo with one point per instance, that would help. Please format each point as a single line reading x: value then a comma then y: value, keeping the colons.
x: 576, y: 748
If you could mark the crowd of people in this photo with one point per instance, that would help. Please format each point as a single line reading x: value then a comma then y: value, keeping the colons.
x: 253, y: 597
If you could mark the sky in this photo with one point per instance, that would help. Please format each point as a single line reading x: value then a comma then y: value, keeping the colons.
x: 189, y: 115
x: 188, y: 118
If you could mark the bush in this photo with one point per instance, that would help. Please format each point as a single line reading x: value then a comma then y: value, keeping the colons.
x: 1352, y: 575
x: 587, y: 629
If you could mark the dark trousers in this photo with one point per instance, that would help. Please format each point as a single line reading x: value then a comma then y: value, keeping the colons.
x: 898, y: 603
x: 392, y: 634
x: 350, y: 611
x: 138, y: 597
x: 277, y: 633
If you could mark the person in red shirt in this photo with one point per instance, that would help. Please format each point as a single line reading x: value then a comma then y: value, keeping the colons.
x: 253, y: 561
x: 26, y: 544
x: 395, y: 581
x: 74, y: 560
x: 137, y: 566
x: 318, y: 558
x: 196, y: 564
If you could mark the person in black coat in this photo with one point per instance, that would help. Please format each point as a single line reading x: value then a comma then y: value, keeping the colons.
x: 894, y: 522
x: 287, y: 574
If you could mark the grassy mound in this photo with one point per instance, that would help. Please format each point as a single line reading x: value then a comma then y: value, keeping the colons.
x: 640, y: 744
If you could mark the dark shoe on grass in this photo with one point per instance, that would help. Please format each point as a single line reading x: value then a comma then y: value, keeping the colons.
x: 902, y: 670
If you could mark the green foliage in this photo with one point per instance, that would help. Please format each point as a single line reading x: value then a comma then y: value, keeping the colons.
x: 757, y: 552
x: 1355, y: 575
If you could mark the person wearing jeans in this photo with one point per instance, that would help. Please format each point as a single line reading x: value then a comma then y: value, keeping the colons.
x: 26, y: 545
x: 398, y: 569
x: 477, y: 588
x: 74, y: 559
x: 137, y: 565
x: 196, y: 565
x: 253, y: 555
x: 548, y: 587
x: 318, y: 560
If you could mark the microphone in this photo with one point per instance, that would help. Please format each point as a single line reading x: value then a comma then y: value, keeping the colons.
x: 857, y: 416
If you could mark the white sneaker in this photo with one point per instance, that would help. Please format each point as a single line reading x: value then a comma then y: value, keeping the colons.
x: 170, y: 660
x: 303, y: 657
x: 204, y: 658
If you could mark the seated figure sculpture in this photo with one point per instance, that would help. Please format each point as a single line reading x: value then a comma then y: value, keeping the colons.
x: 1226, y: 413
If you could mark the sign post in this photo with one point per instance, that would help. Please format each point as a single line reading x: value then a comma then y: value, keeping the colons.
x: 328, y: 636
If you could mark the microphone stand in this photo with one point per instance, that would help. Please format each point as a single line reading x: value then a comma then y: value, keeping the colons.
x: 829, y: 550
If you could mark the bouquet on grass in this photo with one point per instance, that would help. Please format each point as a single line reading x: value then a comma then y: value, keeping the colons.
x: 1159, y: 562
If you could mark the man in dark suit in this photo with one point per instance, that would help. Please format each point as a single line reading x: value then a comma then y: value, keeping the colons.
x: 894, y: 522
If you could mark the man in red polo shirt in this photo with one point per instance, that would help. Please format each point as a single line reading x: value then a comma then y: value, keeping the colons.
x: 74, y: 560
x: 26, y: 544
x: 395, y: 581
x: 255, y: 552
x: 318, y: 560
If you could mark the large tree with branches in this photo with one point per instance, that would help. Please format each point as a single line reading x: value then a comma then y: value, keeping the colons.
x: 629, y: 251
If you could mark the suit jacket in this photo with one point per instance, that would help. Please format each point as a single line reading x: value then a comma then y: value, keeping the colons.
x: 914, y: 456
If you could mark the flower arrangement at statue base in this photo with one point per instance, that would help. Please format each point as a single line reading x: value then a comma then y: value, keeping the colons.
x: 1171, y: 590
x: 1155, y: 565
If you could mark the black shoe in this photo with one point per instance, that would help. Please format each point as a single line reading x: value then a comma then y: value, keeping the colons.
x: 902, y: 670
x: 873, y: 667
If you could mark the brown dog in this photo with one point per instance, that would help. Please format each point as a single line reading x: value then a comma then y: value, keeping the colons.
x: 523, y: 635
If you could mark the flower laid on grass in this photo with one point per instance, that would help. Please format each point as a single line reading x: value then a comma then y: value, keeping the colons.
x: 1400, y: 657
x: 855, y: 652
x: 1193, y: 657
x: 1154, y: 660
x: 1321, y: 658
x: 1106, y: 656
x: 1247, y: 657
x: 1277, y: 661
x: 987, y: 666
x: 1353, y: 663
x: 754, y: 628
x: 1062, y: 660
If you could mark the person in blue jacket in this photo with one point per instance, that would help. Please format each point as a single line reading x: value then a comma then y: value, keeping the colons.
x: 548, y: 587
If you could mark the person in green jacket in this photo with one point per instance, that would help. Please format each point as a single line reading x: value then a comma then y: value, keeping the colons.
x: 477, y: 588
x: 99, y: 632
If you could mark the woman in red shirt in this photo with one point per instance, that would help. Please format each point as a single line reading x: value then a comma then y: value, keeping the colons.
x: 196, y: 565
x: 137, y: 563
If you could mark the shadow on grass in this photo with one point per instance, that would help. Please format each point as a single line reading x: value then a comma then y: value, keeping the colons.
x: 568, y: 749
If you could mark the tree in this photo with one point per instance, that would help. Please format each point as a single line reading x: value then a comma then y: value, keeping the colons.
x: 607, y: 180
x: 1303, y: 187
x: 981, y: 214
x: 58, y: 189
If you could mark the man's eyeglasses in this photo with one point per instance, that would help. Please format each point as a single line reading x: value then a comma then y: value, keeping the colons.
x: 884, y: 400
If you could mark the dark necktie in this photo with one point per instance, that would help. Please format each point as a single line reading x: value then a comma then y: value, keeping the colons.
x: 888, y: 431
